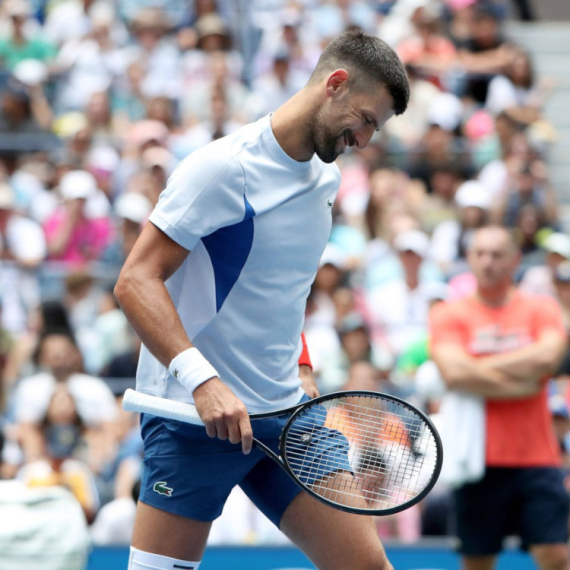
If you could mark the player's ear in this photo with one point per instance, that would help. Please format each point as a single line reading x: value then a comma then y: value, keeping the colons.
x: 336, y: 81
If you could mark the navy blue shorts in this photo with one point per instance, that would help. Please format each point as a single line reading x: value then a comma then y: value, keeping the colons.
x: 190, y: 474
x: 529, y: 502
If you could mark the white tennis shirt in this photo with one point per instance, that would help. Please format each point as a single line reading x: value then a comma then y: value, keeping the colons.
x: 256, y: 222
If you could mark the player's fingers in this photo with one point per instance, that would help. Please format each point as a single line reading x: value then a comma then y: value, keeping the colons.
x: 210, y: 429
x: 246, y: 434
x: 234, y: 432
x: 222, y: 429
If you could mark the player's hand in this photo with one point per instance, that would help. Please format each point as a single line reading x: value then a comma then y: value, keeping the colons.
x: 308, y: 381
x: 224, y: 415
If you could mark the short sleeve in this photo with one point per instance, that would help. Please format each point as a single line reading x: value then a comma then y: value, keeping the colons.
x: 205, y: 193
x: 548, y: 316
x: 445, y: 326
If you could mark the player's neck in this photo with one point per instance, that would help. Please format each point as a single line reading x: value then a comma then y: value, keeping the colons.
x: 495, y: 296
x: 289, y: 123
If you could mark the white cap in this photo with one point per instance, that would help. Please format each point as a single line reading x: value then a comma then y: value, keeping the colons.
x: 558, y: 243
x: 446, y: 110
x: 104, y: 158
x: 333, y: 255
x: 7, y: 199
x: 77, y: 184
x: 133, y: 206
x: 473, y: 193
x: 412, y: 240
x: 18, y: 8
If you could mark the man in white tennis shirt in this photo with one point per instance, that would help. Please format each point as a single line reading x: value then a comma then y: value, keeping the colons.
x: 221, y: 326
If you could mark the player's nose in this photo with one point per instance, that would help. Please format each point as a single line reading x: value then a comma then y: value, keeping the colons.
x: 363, y: 137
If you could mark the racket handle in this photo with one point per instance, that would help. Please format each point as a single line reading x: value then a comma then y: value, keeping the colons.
x: 134, y: 401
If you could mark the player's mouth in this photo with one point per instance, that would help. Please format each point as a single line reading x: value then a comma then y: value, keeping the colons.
x: 348, y: 138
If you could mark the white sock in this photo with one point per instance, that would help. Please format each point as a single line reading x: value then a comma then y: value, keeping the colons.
x: 139, y: 560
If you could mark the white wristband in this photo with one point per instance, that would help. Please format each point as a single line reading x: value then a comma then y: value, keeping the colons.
x: 191, y: 369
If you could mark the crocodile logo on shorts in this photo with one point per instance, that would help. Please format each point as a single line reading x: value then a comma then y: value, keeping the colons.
x: 161, y: 488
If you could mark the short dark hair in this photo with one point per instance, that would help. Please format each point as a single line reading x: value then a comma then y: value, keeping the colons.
x: 370, y: 57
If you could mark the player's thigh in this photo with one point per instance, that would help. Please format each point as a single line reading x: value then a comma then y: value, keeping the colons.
x: 551, y: 556
x: 333, y: 539
x: 161, y: 532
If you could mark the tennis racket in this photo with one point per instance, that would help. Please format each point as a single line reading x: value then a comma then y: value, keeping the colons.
x: 362, y: 452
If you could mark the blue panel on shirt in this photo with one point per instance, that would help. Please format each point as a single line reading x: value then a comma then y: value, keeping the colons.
x: 228, y: 249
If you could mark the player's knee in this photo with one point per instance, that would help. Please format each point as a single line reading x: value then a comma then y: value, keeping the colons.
x: 552, y: 557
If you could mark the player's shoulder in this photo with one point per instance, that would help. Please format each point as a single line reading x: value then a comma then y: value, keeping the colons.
x: 536, y: 301
x: 223, y: 154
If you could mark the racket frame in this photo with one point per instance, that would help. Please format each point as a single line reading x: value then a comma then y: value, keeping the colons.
x: 295, y: 411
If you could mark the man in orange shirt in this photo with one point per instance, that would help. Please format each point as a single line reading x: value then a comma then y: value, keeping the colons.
x: 502, y: 344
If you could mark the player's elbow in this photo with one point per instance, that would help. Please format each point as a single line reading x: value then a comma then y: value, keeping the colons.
x: 125, y: 287
x: 549, y: 360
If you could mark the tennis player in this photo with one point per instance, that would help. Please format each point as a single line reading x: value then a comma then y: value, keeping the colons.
x: 221, y: 326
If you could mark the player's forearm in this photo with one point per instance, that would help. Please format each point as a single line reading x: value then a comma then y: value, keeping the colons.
x: 149, y: 309
x: 466, y: 374
x: 533, y: 361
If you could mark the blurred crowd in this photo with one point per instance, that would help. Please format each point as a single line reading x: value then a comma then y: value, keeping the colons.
x: 100, y: 99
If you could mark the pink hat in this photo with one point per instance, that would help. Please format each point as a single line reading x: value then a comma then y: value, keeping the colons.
x: 148, y: 130
x: 460, y: 4
x: 479, y: 125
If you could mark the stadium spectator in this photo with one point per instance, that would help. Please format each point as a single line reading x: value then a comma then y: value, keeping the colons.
x: 501, y: 345
x: 73, y: 236
x: 440, y: 205
x: 529, y: 186
x: 540, y: 278
x: 59, y: 360
x: 50, y: 315
x: 154, y: 45
x: 485, y: 53
x: 450, y: 238
x: 24, y: 111
x: 516, y: 91
x: 356, y: 345
x: 62, y: 428
x: 88, y: 63
x: 131, y: 212
x: 399, y: 309
x: 427, y: 50
x: 22, y: 249
x: 19, y: 46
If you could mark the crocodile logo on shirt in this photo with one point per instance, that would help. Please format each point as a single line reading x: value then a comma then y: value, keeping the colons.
x: 161, y: 488
x: 330, y: 203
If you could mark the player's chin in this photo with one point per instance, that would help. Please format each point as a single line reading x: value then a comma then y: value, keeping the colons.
x: 329, y: 156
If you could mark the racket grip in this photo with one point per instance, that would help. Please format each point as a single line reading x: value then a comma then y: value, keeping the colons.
x: 134, y: 401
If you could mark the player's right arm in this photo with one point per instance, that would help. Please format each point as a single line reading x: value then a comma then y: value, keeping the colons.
x: 462, y: 372
x: 146, y: 302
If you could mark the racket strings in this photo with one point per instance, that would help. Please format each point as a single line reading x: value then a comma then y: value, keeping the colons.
x: 362, y: 451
